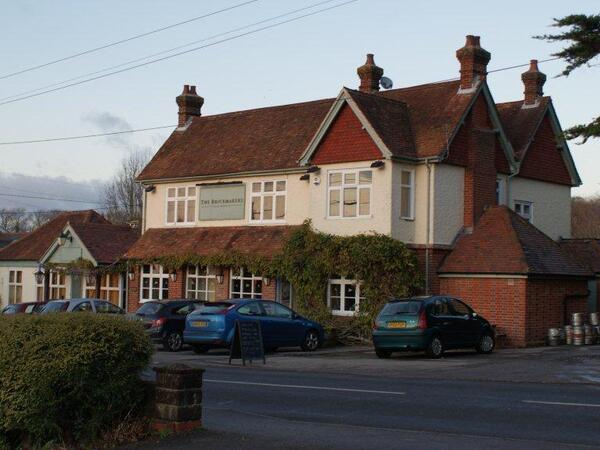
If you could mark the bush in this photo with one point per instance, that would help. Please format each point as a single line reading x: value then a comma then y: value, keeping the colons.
x: 68, y: 377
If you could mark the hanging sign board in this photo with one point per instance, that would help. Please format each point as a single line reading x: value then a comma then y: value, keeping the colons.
x: 247, y: 343
x: 222, y: 202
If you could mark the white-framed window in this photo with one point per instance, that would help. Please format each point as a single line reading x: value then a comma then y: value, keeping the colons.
x: 58, y: 286
x: 524, y: 209
x: 245, y: 284
x: 110, y: 288
x: 501, y: 191
x: 343, y: 296
x: 349, y: 193
x: 407, y: 194
x: 154, y: 283
x: 201, y: 283
x: 15, y: 286
x: 267, y: 201
x: 181, y: 205
x: 39, y: 291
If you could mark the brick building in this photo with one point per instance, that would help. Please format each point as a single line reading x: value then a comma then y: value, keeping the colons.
x: 433, y: 166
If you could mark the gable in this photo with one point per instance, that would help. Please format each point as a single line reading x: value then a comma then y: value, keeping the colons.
x: 543, y: 159
x: 346, y: 141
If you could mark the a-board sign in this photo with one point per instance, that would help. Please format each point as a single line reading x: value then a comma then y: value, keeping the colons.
x: 247, y: 343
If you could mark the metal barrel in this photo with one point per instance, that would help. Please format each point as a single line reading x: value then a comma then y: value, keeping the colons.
x: 587, y: 335
x: 577, y: 319
x: 594, y: 317
x: 554, y: 336
x: 597, y: 330
x: 568, y: 334
x: 578, y: 335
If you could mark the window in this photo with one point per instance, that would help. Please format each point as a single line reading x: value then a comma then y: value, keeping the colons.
x: 186, y: 309
x: 245, y: 285
x: 155, y: 283
x: 268, y: 201
x: 407, y: 194
x: 251, y: 309
x: 343, y: 296
x: 107, y: 308
x: 83, y: 307
x: 458, y: 308
x: 181, y: 205
x: 110, y: 288
x: 524, y: 209
x: 58, y: 286
x: 277, y: 310
x: 440, y: 308
x: 15, y: 286
x: 501, y: 191
x: 349, y: 193
x: 39, y: 291
x: 201, y: 283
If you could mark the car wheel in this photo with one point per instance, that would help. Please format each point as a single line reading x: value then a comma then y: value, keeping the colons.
x: 311, y: 341
x: 435, y: 349
x: 486, y: 344
x: 173, y: 341
x: 383, y: 354
x: 200, y: 349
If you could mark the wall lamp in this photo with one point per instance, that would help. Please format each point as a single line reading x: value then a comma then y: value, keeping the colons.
x: 305, y: 177
x: 40, y: 275
x: 266, y: 280
x: 313, y: 169
x: 377, y: 164
x: 173, y: 276
x: 91, y: 278
x: 63, y: 238
x: 150, y: 188
x: 130, y: 273
x: 220, y: 276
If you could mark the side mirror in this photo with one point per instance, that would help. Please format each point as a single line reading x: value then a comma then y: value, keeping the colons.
x: 474, y: 315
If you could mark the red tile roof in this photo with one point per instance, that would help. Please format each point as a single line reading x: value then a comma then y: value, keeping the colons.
x: 7, y: 238
x: 504, y: 243
x: 413, y: 121
x: 586, y: 251
x: 106, y: 242
x: 33, y: 246
x: 520, y: 124
x: 207, y: 241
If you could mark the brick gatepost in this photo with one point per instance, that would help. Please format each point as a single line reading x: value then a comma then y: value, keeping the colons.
x: 178, y: 400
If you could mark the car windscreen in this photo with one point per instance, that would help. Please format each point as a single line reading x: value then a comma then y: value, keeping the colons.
x: 404, y: 307
x: 149, y: 309
x: 55, y: 307
x: 213, y: 308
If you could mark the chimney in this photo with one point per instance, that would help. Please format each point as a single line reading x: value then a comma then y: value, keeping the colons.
x: 190, y: 104
x: 533, y: 80
x: 473, y: 63
x: 369, y: 75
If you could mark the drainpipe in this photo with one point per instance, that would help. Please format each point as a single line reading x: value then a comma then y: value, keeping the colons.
x: 428, y: 227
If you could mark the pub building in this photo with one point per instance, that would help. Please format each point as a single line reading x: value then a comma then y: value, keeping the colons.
x: 479, y: 190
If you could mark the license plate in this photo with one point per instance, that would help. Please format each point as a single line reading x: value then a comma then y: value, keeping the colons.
x: 200, y: 324
x: 396, y: 324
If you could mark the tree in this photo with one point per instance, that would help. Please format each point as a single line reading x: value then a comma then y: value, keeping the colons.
x: 38, y: 218
x: 123, y: 196
x: 583, y: 38
x: 585, y: 217
x: 13, y: 220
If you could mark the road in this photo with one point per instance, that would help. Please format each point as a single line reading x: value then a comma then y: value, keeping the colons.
x: 258, y: 407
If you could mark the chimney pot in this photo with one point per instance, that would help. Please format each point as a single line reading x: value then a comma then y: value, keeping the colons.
x: 473, y: 62
x: 533, y: 82
x: 370, y: 75
x: 189, y: 103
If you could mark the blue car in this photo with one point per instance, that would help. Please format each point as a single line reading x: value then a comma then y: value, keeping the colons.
x: 213, y: 325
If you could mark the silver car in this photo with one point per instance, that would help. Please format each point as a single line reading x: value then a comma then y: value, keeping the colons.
x: 92, y: 305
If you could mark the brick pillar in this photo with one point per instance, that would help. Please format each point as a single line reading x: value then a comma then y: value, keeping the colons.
x: 269, y: 292
x: 222, y: 290
x: 177, y: 287
x: 133, y: 290
x: 178, y: 404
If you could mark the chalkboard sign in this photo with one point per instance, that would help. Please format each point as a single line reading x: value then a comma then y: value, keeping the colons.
x: 247, y: 343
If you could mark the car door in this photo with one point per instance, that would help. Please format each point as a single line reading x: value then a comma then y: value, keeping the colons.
x: 466, y: 328
x: 83, y: 307
x: 254, y: 311
x: 280, y: 322
x: 443, y: 321
x: 176, y: 319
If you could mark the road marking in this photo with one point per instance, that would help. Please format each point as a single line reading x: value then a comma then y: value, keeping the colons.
x: 587, y: 405
x: 297, y: 386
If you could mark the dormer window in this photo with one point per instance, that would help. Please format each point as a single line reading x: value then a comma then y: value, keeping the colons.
x: 524, y: 209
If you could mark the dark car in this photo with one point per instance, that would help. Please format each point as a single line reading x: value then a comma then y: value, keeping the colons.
x: 433, y: 324
x: 164, y: 320
x: 23, y: 308
x: 213, y: 325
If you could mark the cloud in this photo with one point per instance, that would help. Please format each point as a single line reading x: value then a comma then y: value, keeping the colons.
x: 107, y: 122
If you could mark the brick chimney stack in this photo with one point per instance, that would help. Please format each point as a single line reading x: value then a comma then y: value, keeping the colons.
x: 533, y: 80
x: 369, y: 75
x: 473, y: 62
x: 190, y: 104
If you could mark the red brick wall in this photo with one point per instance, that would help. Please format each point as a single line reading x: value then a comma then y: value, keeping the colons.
x: 543, y: 161
x: 500, y: 300
x: 346, y: 141
x: 133, y: 291
x: 436, y: 257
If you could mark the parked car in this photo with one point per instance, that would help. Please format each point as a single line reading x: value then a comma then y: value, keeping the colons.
x: 92, y: 305
x: 164, y: 320
x: 23, y: 308
x: 433, y: 324
x: 213, y: 325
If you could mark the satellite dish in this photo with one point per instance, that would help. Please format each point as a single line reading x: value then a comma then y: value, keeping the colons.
x: 386, y: 83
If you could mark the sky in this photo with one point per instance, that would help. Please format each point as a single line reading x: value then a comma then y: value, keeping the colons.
x: 414, y: 42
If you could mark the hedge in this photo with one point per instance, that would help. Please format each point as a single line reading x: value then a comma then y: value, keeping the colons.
x: 66, y: 378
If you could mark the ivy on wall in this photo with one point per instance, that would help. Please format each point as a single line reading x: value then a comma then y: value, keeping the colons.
x: 308, y: 259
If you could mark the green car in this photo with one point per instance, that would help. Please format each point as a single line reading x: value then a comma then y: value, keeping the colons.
x: 432, y: 324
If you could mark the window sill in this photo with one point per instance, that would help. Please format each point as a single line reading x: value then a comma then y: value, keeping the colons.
x: 349, y: 218
x: 344, y: 313
x: 408, y: 219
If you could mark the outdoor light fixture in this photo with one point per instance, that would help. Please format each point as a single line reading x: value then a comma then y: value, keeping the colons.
x: 313, y: 169
x: 377, y: 164
x: 150, y: 188
x: 220, y: 276
x: 63, y: 238
x: 305, y: 177
x: 39, y: 275
x: 173, y: 276
x: 130, y: 273
x: 91, y: 277
x: 266, y: 281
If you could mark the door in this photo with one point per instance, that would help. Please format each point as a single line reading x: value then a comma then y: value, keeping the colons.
x: 280, y: 324
x: 466, y: 327
x: 254, y: 311
x: 76, y: 286
x: 441, y: 319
